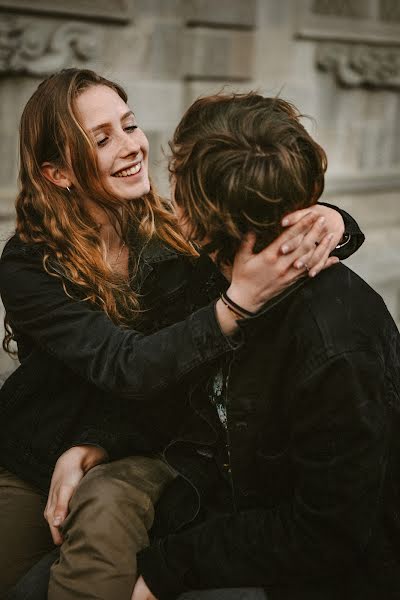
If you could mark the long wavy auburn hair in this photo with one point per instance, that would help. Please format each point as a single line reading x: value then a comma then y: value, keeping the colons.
x: 57, y: 220
x: 239, y: 163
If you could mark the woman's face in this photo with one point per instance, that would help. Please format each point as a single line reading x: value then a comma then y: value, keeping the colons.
x: 122, y: 148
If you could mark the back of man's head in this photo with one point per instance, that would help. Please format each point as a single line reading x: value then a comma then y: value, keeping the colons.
x: 240, y: 162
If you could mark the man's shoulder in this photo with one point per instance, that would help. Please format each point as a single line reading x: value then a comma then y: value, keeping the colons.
x: 342, y: 313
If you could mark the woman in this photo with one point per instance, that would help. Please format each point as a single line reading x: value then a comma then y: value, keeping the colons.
x: 96, y: 269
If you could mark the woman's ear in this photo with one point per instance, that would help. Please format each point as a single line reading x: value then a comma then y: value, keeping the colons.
x: 57, y: 176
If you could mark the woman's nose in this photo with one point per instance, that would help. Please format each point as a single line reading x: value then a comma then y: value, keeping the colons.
x: 129, y: 144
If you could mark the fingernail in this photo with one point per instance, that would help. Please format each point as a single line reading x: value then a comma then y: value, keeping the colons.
x: 285, y: 222
x: 313, y: 273
x: 330, y: 236
x: 321, y: 220
x: 56, y: 521
x: 285, y: 249
x: 299, y: 265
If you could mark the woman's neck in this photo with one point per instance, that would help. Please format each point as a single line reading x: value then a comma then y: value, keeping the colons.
x: 110, y: 232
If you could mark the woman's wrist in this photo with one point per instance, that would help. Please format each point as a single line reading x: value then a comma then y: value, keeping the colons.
x: 87, y: 456
x: 242, y: 298
x: 227, y: 320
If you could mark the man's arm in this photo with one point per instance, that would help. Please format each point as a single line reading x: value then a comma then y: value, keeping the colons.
x: 338, y: 424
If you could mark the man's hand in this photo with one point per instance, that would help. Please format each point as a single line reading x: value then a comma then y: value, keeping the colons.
x: 68, y: 472
x: 141, y: 591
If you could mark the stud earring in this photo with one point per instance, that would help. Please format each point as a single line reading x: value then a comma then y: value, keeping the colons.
x: 68, y: 189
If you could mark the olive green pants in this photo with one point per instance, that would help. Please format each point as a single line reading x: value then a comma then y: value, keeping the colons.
x: 110, y: 515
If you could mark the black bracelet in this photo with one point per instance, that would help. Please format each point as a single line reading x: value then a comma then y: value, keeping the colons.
x: 235, y: 307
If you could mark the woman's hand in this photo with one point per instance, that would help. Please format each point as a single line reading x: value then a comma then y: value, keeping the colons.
x: 315, y: 260
x: 141, y: 591
x: 302, y: 248
x: 68, y: 472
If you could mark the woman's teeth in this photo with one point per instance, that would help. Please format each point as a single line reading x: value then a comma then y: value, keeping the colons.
x: 131, y: 171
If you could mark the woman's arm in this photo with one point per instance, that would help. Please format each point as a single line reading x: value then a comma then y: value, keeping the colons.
x: 348, y: 236
x: 126, y: 362
x: 70, y: 468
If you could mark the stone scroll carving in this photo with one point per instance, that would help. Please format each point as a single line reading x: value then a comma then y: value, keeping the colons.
x: 32, y: 48
x: 361, y: 65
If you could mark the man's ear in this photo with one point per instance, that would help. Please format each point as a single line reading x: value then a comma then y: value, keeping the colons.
x: 56, y: 175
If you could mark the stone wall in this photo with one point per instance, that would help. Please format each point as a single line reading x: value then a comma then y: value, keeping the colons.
x: 337, y: 60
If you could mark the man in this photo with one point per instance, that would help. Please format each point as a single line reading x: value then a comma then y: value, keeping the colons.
x: 295, y: 473
x: 285, y: 458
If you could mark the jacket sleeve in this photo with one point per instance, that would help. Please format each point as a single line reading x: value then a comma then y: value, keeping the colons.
x: 352, y: 232
x: 337, y: 459
x: 124, y: 362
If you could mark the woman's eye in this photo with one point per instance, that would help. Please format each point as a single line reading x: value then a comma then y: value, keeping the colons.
x: 131, y: 128
x: 102, y: 142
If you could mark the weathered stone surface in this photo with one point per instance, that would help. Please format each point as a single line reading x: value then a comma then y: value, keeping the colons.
x: 107, y: 10
x: 218, y: 54
x: 159, y: 9
x: 341, y: 8
x: 224, y: 12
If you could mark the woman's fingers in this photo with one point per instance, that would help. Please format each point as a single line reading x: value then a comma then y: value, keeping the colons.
x: 319, y: 257
x: 316, y: 253
x: 56, y: 535
x: 289, y: 240
x: 332, y: 260
x: 309, y: 244
x: 49, y: 516
x: 326, y: 262
x: 295, y: 217
x: 62, y: 505
x: 57, y: 509
x: 246, y: 247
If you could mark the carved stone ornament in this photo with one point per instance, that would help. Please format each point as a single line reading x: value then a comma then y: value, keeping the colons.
x: 29, y: 47
x: 356, y: 65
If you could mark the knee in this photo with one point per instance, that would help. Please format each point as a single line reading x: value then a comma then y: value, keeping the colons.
x: 104, y: 490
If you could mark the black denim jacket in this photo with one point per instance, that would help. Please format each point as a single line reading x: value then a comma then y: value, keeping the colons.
x: 313, y: 406
x: 83, y: 379
x: 80, y: 372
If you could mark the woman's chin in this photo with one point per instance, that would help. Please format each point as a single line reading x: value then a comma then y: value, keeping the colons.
x: 130, y: 192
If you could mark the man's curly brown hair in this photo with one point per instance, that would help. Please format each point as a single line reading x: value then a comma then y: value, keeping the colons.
x: 239, y: 163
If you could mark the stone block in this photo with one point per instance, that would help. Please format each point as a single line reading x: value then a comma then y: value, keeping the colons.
x: 157, y: 104
x: 167, y: 51
x: 231, y: 13
x: 218, y: 54
x: 150, y: 49
x: 159, y: 9
x: 195, y: 89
